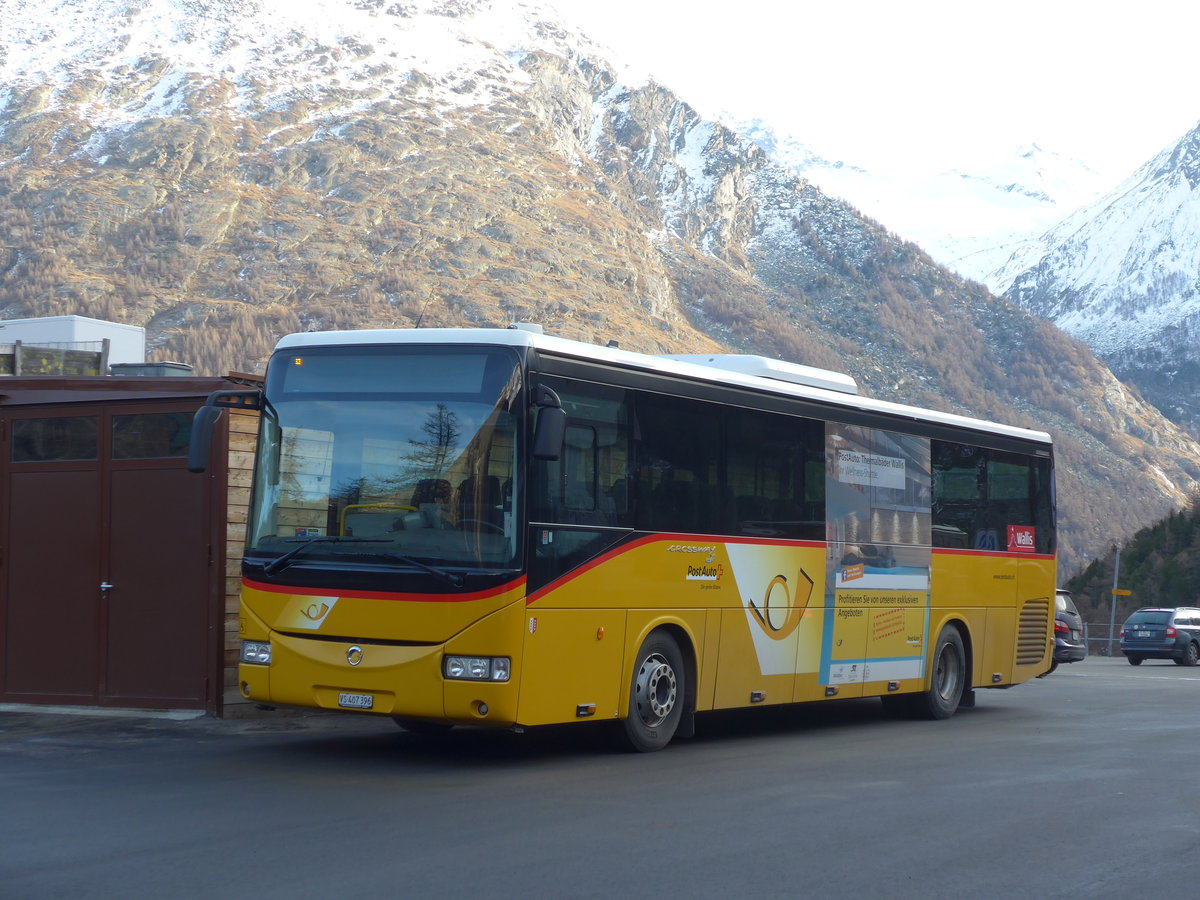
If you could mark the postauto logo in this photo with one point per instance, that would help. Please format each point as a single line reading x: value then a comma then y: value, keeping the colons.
x: 707, y: 569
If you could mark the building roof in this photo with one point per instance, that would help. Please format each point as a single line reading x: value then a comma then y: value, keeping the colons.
x: 54, y: 389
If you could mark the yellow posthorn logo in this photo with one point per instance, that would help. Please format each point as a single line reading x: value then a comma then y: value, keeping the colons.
x: 780, y: 612
x: 315, y: 611
x: 308, y: 613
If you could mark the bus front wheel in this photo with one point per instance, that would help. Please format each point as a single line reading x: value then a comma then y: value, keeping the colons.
x: 656, y: 694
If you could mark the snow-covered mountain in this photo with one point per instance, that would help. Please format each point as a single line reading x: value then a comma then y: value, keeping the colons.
x: 1119, y: 270
x: 971, y: 222
x: 270, y: 53
x: 273, y: 54
x: 1123, y: 275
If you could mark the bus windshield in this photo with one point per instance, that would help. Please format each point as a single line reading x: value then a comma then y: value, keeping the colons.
x: 395, y: 457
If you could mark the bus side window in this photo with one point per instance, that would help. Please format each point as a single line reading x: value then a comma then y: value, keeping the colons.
x: 978, y: 493
x: 579, y: 469
x: 774, y: 475
x: 1016, y: 495
x: 958, y: 500
x: 586, y: 485
x: 678, y: 486
x: 1043, y: 505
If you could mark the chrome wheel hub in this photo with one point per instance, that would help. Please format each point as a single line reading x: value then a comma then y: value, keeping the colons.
x: 656, y: 689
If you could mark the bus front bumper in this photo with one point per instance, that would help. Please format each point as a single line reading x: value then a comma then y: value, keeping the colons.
x: 386, y: 679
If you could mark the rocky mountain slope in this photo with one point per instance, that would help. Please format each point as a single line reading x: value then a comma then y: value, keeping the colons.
x: 1123, y: 275
x: 223, y: 174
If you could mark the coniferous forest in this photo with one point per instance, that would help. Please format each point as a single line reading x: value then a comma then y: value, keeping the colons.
x: 1159, y: 566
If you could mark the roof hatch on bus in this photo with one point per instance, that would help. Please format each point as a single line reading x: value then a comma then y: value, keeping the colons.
x: 764, y: 367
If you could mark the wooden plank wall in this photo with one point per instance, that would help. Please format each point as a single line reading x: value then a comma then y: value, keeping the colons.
x: 243, y: 434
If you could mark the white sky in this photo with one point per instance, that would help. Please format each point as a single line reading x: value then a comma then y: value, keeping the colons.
x: 943, y: 82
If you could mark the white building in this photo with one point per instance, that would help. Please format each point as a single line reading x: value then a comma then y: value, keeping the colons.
x: 71, y: 346
x: 126, y: 343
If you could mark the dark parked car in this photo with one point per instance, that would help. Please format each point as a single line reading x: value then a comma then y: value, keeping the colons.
x: 1162, y: 634
x: 1070, y: 645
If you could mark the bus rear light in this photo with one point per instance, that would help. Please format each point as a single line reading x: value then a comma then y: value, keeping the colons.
x: 477, y: 668
x: 256, y: 653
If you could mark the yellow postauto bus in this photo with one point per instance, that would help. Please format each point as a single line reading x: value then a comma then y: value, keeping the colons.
x: 499, y: 527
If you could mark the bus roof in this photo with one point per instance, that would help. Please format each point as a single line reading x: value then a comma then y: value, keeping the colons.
x: 723, y: 369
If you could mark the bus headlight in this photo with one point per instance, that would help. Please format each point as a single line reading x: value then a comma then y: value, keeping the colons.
x: 477, y: 668
x: 257, y: 653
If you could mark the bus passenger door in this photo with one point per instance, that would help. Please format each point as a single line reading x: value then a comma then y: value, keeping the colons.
x: 845, y: 650
x: 752, y: 668
x: 770, y: 635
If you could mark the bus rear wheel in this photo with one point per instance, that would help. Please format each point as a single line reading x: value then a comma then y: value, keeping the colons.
x: 656, y: 694
x: 946, y: 686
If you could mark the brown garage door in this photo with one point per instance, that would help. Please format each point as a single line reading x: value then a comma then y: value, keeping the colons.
x: 109, y: 595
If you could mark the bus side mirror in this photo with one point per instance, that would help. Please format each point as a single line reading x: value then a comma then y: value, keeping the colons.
x: 206, y: 417
x: 551, y: 425
x: 202, y: 428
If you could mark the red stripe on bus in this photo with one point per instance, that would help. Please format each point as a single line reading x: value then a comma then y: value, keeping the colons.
x: 1007, y: 554
x: 513, y: 585
x: 660, y: 538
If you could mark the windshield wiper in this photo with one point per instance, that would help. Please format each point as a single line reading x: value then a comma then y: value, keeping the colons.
x: 281, y: 562
x: 455, y: 579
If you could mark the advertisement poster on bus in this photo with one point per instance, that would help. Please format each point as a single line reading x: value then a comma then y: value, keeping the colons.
x: 878, y: 490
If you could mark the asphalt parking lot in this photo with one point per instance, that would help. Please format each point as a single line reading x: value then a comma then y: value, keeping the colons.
x: 1054, y: 788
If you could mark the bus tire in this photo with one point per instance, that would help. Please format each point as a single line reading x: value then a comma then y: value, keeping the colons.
x: 657, y: 694
x: 948, y: 677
